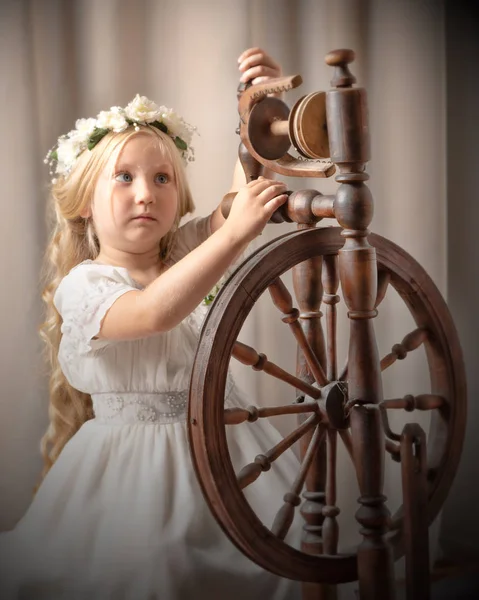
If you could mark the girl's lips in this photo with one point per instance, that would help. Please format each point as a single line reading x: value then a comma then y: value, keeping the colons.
x: 145, y: 218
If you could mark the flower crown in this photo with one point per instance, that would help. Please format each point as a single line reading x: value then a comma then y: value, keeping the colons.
x: 140, y: 111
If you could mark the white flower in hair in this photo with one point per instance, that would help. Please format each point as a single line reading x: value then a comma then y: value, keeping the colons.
x: 112, y: 119
x: 67, y: 152
x: 142, y: 110
x: 175, y: 123
x: 83, y: 128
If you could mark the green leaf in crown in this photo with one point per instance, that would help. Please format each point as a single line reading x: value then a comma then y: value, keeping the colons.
x: 180, y: 144
x: 159, y: 125
x: 96, y: 136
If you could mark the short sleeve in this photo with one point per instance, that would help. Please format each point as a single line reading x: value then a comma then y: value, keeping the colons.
x: 83, y: 299
x: 189, y: 236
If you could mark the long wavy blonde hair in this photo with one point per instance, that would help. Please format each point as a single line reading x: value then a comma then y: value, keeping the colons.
x: 72, y: 241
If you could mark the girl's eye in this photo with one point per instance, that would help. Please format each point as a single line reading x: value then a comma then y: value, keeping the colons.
x: 124, y: 177
x: 162, y: 178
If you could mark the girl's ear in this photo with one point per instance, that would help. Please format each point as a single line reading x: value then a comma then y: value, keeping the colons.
x: 86, y: 212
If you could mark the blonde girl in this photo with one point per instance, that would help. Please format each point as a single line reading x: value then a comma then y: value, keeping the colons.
x: 119, y: 514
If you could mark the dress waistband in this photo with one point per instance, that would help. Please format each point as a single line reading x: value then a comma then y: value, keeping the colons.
x: 143, y: 407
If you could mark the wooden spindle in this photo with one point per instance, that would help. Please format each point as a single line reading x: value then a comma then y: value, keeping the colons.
x: 283, y: 301
x: 285, y: 515
x: 410, y: 342
x: 237, y: 415
x: 420, y: 402
x: 262, y: 462
x: 259, y: 362
x: 330, y: 280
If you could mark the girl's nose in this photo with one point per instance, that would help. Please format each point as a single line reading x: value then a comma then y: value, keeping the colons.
x: 144, y: 194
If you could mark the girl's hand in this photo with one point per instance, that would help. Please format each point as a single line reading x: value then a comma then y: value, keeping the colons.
x: 253, y: 206
x: 257, y: 66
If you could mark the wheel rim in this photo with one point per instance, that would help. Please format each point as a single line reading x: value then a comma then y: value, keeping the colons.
x: 206, y: 419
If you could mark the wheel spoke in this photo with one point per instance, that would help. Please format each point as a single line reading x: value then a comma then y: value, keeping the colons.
x: 421, y: 402
x: 283, y: 301
x: 330, y: 280
x: 410, y: 342
x: 284, y: 517
x: 248, y: 356
x: 262, y: 462
x: 236, y: 415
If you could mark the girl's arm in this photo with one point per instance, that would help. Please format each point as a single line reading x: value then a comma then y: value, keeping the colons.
x: 255, y: 66
x: 174, y: 294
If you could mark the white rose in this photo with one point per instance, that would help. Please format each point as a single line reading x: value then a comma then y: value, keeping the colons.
x: 84, y: 127
x: 177, y: 126
x: 142, y: 110
x: 67, y: 153
x: 111, y: 119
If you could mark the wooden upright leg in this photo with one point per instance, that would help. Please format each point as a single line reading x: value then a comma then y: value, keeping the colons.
x: 348, y: 132
x: 415, y: 499
x: 375, y: 561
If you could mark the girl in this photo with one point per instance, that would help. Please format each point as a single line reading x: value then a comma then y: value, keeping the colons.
x: 119, y: 514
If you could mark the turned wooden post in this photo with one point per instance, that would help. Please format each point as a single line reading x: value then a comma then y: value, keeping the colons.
x: 349, y: 146
x: 309, y: 292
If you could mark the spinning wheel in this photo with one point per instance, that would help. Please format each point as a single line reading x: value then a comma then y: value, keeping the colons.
x: 331, y: 402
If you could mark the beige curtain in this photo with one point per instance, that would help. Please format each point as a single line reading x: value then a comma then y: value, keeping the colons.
x: 65, y: 59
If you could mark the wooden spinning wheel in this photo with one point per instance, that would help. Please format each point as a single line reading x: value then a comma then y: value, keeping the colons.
x: 331, y: 402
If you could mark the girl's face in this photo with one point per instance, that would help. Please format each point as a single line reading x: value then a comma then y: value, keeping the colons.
x: 135, y: 200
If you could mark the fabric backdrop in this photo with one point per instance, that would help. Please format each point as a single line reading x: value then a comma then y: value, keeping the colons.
x: 67, y: 59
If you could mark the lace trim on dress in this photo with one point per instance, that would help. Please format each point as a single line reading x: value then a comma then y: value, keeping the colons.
x: 155, y: 407
x: 84, y: 322
x: 145, y: 407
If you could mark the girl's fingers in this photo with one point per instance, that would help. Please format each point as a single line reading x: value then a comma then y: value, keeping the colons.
x: 258, y: 59
x: 265, y: 189
x: 259, y: 71
x: 260, y: 80
x: 272, y: 205
x: 272, y: 191
x: 261, y: 181
x: 263, y: 184
x: 249, y: 52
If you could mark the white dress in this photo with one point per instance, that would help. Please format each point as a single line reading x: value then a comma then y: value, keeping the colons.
x: 120, y: 515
